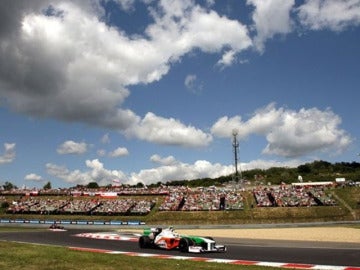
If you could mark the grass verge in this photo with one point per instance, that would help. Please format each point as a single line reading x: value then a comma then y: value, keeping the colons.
x: 18, y: 256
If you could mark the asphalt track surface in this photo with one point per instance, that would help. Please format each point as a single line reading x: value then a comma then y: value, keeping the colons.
x: 303, y: 252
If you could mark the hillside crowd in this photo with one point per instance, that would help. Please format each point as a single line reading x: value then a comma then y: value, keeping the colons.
x: 34, y: 205
x: 290, y: 196
x: 203, y: 199
x: 140, y: 201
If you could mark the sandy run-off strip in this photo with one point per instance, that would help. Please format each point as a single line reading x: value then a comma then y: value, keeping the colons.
x: 330, y: 234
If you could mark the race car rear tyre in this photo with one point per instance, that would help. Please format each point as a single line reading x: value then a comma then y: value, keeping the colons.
x: 144, y: 242
x: 184, y: 244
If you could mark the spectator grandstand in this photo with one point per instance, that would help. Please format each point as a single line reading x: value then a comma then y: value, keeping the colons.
x: 81, y: 206
x: 140, y: 201
x: 290, y: 196
x: 202, y: 199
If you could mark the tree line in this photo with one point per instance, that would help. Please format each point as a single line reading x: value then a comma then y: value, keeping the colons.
x: 310, y: 172
x: 315, y: 171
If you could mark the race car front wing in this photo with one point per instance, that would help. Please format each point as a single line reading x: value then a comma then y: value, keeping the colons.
x: 212, y: 248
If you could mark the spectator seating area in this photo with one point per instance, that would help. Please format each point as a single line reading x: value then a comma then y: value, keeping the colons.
x: 140, y: 201
x: 80, y: 206
x: 290, y: 196
x: 203, y: 199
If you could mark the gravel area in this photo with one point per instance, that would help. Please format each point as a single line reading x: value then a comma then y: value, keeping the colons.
x: 328, y: 234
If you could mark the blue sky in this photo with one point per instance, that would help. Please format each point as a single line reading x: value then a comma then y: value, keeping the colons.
x: 151, y: 91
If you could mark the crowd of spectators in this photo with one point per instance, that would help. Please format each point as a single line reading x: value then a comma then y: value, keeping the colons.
x: 124, y: 206
x: 203, y: 199
x: 140, y: 201
x: 290, y: 196
x: 80, y: 206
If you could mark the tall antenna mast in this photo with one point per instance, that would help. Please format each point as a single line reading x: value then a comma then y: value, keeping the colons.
x: 235, y: 145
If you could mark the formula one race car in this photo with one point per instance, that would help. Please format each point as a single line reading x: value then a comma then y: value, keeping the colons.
x: 169, y: 239
x: 56, y: 227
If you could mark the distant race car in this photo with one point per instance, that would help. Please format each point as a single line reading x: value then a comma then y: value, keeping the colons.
x: 169, y: 239
x: 56, y: 227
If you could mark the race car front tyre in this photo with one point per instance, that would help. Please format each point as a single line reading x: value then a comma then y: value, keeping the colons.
x: 144, y: 242
x: 184, y: 244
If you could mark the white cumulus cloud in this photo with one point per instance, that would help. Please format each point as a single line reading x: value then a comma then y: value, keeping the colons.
x: 119, y: 152
x: 9, y: 154
x: 180, y: 171
x: 170, y: 160
x: 34, y: 177
x: 271, y: 18
x: 169, y: 131
x: 289, y: 133
x: 330, y: 14
x: 71, y: 147
x: 227, y: 59
x: 96, y: 173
